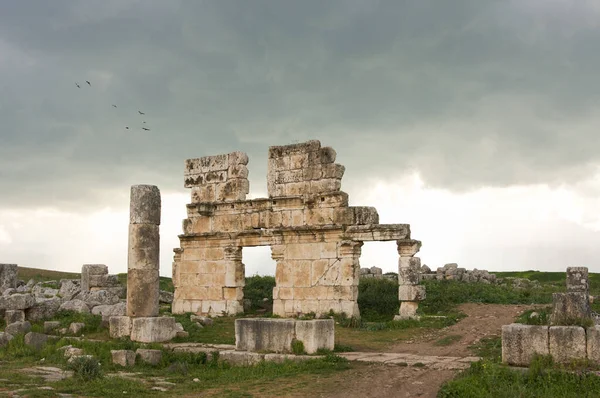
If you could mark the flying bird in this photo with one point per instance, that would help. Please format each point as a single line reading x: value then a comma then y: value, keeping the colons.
x: 144, y: 122
x: 144, y: 128
x: 114, y: 106
x: 88, y: 82
x: 77, y: 84
x: 126, y: 128
x: 141, y: 113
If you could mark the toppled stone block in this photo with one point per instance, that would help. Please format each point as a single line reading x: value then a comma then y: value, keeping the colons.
x: 72, y: 352
x: 569, y: 306
x: 521, y: 342
x: 165, y: 297
x: 51, y: 326
x: 123, y: 357
x: 316, y: 334
x: 119, y: 309
x: 593, y: 343
x: 16, y: 328
x: 241, y: 358
x: 76, y: 327
x: 75, y: 305
x: 8, y: 276
x: 35, y: 340
x: 577, y: 279
x: 69, y: 288
x: 94, y: 298
x: 11, y: 316
x: 277, y: 335
x: 567, y: 343
x: 17, y: 302
x: 151, y: 357
x: 203, y: 320
x: 153, y: 329
x: 5, y: 338
x: 45, y: 309
x: 120, y: 326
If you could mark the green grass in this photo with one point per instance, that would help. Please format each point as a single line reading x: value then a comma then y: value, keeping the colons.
x: 543, y: 379
x: 222, y: 331
x: 489, y: 348
x: 543, y: 317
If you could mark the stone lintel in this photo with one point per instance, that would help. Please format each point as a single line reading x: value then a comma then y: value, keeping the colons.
x: 378, y: 232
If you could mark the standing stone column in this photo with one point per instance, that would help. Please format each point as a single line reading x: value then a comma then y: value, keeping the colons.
x: 409, y: 290
x: 143, y: 257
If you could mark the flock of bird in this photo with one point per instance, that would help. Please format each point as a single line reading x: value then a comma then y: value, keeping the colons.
x: 114, y: 106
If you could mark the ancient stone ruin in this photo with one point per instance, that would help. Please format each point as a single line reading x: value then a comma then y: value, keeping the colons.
x: 142, y: 322
x: 314, y: 236
x: 562, y: 338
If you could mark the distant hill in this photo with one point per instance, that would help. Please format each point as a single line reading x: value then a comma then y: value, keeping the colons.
x: 25, y: 273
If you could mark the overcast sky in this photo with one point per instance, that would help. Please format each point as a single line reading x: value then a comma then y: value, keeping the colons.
x: 477, y: 122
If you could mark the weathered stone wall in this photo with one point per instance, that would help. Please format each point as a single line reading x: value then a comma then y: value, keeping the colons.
x: 315, y: 237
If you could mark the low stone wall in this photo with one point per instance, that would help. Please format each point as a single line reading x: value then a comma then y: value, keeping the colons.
x: 377, y: 273
x: 520, y: 343
x: 278, y: 335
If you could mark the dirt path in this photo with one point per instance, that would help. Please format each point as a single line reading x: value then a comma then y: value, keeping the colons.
x: 483, y: 320
x: 385, y: 380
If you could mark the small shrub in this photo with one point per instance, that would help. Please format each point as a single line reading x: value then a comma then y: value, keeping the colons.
x: 86, y: 368
x: 258, y: 288
x: 378, y: 299
x: 298, y: 347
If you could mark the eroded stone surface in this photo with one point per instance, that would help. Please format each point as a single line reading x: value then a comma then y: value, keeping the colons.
x: 152, y: 357
x: 123, y: 357
x: 315, y: 237
x: 521, y: 342
x: 153, y: 329
x: 567, y: 343
x: 8, y: 276
x: 120, y: 326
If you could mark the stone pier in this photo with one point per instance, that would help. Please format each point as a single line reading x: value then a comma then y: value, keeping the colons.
x: 409, y: 290
x: 142, y: 322
x: 144, y: 245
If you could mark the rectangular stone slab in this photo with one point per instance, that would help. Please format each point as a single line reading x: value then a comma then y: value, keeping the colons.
x: 153, y: 329
x: 521, y: 342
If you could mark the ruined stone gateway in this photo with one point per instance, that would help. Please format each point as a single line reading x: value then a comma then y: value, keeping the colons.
x: 315, y: 237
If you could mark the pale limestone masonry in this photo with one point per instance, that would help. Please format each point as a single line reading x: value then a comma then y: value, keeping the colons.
x: 8, y: 277
x: 144, y: 244
x: 315, y: 237
x: 278, y: 335
x: 142, y: 322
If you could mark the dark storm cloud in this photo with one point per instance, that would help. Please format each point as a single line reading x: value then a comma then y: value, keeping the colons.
x: 469, y: 93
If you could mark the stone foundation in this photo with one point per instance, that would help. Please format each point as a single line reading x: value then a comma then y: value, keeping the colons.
x: 278, y: 335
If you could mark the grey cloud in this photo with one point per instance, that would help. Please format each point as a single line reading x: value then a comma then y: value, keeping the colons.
x: 470, y: 93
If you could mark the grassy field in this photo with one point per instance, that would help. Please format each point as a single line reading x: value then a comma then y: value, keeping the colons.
x: 39, y: 275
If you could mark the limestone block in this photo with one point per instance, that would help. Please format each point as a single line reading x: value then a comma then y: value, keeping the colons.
x: 16, y: 328
x: 333, y: 170
x: 123, y: 357
x: 144, y: 243
x: 408, y: 310
x: 45, y: 309
x: 8, y: 276
x: 75, y: 328
x: 151, y: 357
x: 120, y: 326
x: 50, y: 326
x: 87, y: 270
x: 119, y: 309
x: 577, y: 279
x: 316, y: 334
x: 104, y: 280
x: 408, y: 247
x: 237, y: 157
x: 411, y: 293
x: 241, y: 358
x: 72, y: 352
x: 409, y: 271
x: 142, y: 292
x: 153, y: 329
x: 521, y: 342
x: 593, y: 343
x: 282, y: 358
x: 69, y: 288
x: 569, y: 306
x: 75, y: 305
x: 98, y: 297
x: 264, y: 334
x: 232, y: 190
x: 17, y: 302
x: 365, y: 215
x: 567, y: 343
x: 325, y: 185
x: 36, y: 340
x: 145, y: 205
x: 5, y: 338
x: 11, y: 316
x: 287, y: 150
